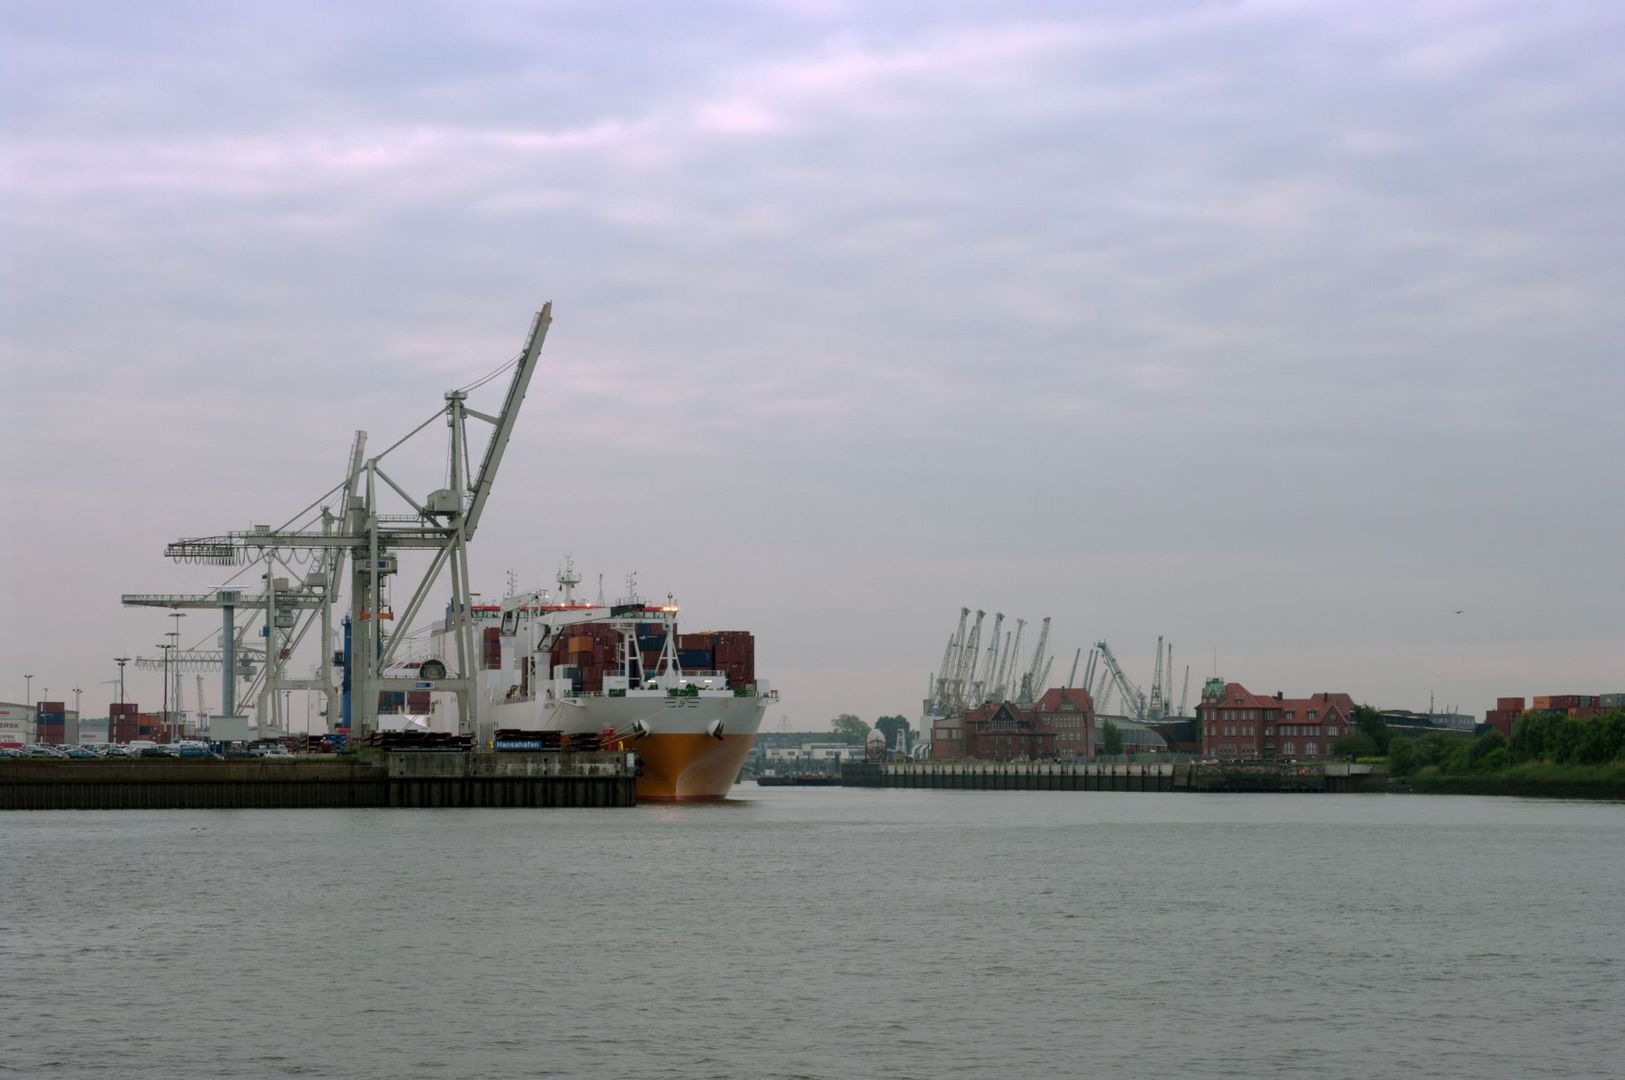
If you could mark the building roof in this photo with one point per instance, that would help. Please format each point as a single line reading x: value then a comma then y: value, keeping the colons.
x: 1238, y: 696
x: 1075, y: 697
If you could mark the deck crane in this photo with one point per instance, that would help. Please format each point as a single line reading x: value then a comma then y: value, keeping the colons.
x: 443, y: 523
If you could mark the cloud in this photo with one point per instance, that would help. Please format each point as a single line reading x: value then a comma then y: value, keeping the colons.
x: 1127, y: 316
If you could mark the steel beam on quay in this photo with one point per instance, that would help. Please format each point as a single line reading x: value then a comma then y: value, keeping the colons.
x: 409, y: 779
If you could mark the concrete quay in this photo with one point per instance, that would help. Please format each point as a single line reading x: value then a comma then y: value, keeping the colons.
x: 406, y: 779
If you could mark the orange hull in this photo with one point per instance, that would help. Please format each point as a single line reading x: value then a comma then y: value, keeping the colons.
x: 684, y: 768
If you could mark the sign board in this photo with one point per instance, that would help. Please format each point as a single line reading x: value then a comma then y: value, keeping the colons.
x: 228, y: 728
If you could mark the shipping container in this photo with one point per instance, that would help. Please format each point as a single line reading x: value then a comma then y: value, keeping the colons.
x: 1509, y: 703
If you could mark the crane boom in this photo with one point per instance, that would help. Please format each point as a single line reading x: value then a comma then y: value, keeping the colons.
x: 481, y: 484
x: 1133, y: 698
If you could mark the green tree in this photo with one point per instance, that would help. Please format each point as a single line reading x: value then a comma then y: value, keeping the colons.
x: 1530, y: 734
x: 895, y: 728
x: 1369, y: 722
x: 1111, y: 739
x: 1355, y: 743
x: 1401, y: 757
x: 1487, y: 748
x: 849, y: 728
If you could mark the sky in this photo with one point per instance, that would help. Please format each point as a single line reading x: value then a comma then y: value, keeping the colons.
x: 1290, y: 331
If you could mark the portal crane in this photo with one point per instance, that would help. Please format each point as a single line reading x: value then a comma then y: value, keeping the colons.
x: 442, y: 524
x: 1037, y: 673
x: 1133, y: 699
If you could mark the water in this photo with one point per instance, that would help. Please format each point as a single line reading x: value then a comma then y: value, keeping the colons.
x: 821, y: 933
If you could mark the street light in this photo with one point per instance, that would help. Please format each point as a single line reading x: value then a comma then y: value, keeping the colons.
x: 164, y: 645
x: 28, y: 690
x: 121, y: 661
x: 176, y: 634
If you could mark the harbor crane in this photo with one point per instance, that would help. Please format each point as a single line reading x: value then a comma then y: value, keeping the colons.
x: 1107, y: 677
x: 440, y: 523
x: 970, y: 674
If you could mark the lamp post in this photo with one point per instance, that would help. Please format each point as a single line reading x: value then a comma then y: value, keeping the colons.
x: 76, y: 693
x: 28, y: 690
x: 121, y: 661
x: 166, y: 646
x: 176, y: 635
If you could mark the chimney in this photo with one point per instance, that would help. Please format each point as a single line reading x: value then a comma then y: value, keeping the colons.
x: 1279, y: 695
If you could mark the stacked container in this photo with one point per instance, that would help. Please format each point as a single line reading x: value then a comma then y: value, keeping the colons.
x: 50, y: 722
x: 493, y: 648
x: 123, y: 723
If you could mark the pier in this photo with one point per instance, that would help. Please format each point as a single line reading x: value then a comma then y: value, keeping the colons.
x: 409, y: 779
x: 1259, y: 776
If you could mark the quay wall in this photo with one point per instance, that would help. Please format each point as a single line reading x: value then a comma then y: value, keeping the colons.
x: 1015, y: 776
x: 390, y: 779
x: 968, y: 775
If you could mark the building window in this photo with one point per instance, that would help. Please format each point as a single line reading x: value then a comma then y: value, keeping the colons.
x: 1312, y: 715
x: 1309, y: 749
x: 1288, y: 715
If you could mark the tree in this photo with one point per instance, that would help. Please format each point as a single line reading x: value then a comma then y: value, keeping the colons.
x: 1489, y: 748
x: 1355, y: 744
x: 1531, y: 733
x: 896, y: 730
x: 1111, y: 739
x: 1401, y: 757
x: 849, y: 728
x: 1369, y: 722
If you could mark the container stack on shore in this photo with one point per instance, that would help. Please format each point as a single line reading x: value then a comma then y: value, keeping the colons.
x: 1508, y: 709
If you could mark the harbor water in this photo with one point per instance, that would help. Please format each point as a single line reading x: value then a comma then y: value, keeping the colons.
x: 821, y: 933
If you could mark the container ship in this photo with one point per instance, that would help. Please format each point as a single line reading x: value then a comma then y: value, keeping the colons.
x: 689, y: 705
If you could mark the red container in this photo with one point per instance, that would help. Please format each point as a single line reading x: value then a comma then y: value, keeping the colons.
x: 1509, y: 703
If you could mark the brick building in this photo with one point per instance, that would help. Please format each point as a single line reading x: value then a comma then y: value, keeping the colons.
x: 1061, y: 723
x: 1237, y: 723
x: 1070, y: 713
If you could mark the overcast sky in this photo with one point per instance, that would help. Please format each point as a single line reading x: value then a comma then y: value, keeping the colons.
x: 1284, y: 329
